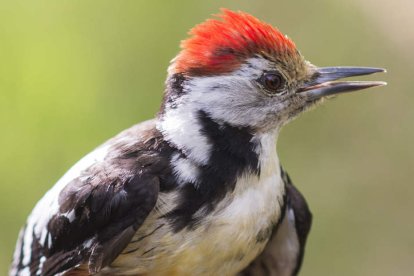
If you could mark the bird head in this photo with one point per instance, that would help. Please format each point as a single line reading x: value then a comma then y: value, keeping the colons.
x: 243, y: 72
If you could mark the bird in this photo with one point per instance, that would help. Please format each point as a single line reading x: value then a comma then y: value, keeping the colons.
x: 199, y: 189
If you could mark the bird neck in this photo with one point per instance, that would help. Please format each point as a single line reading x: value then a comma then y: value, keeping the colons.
x: 212, y: 158
x: 203, y: 140
x: 187, y: 126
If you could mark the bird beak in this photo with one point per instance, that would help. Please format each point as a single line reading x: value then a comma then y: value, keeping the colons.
x: 324, y: 81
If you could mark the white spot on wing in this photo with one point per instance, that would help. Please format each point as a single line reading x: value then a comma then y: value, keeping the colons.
x: 88, y: 243
x: 25, y: 272
x: 17, y: 253
x: 70, y: 215
x: 41, y: 262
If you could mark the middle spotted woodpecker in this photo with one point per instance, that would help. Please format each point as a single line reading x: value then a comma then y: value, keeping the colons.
x: 199, y: 190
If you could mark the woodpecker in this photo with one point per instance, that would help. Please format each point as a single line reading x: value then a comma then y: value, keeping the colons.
x: 199, y: 190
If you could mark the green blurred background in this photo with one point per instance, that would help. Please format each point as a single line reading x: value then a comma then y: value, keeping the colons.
x: 74, y: 73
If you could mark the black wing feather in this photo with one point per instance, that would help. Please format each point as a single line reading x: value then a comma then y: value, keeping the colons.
x: 106, y: 214
x: 107, y: 203
x: 303, y: 219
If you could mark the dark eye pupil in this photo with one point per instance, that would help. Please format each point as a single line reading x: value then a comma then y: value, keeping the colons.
x: 272, y: 81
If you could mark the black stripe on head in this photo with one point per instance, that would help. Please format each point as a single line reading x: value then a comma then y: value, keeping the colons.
x: 233, y: 153
x: 174, y: 89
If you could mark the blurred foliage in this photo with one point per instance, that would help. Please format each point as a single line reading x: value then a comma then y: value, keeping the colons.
x: 74, y: 73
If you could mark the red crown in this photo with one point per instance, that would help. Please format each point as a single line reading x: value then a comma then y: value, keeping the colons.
x: 220, y: 46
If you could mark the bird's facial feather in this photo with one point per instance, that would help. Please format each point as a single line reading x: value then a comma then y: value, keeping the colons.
x: 242, y: 98
x: 240, y: 71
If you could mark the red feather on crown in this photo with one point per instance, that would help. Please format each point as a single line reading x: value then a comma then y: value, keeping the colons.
x: 220, y: 46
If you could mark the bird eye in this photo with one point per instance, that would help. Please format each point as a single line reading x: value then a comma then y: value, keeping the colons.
x: 272, y: 81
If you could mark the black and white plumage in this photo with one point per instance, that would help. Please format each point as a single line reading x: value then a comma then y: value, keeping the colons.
x: 107, y: 199
x: 199, y: 190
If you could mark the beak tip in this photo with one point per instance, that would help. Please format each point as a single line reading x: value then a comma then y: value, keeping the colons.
x: 366, y: 84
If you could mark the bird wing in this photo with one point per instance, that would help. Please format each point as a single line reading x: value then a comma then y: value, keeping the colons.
x: 90, y: 219
x: 284, y: 251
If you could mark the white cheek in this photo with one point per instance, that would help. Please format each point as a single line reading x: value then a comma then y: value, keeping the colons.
x: 234, y: 98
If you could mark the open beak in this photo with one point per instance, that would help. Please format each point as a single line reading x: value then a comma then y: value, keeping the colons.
x: 324, y: 82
